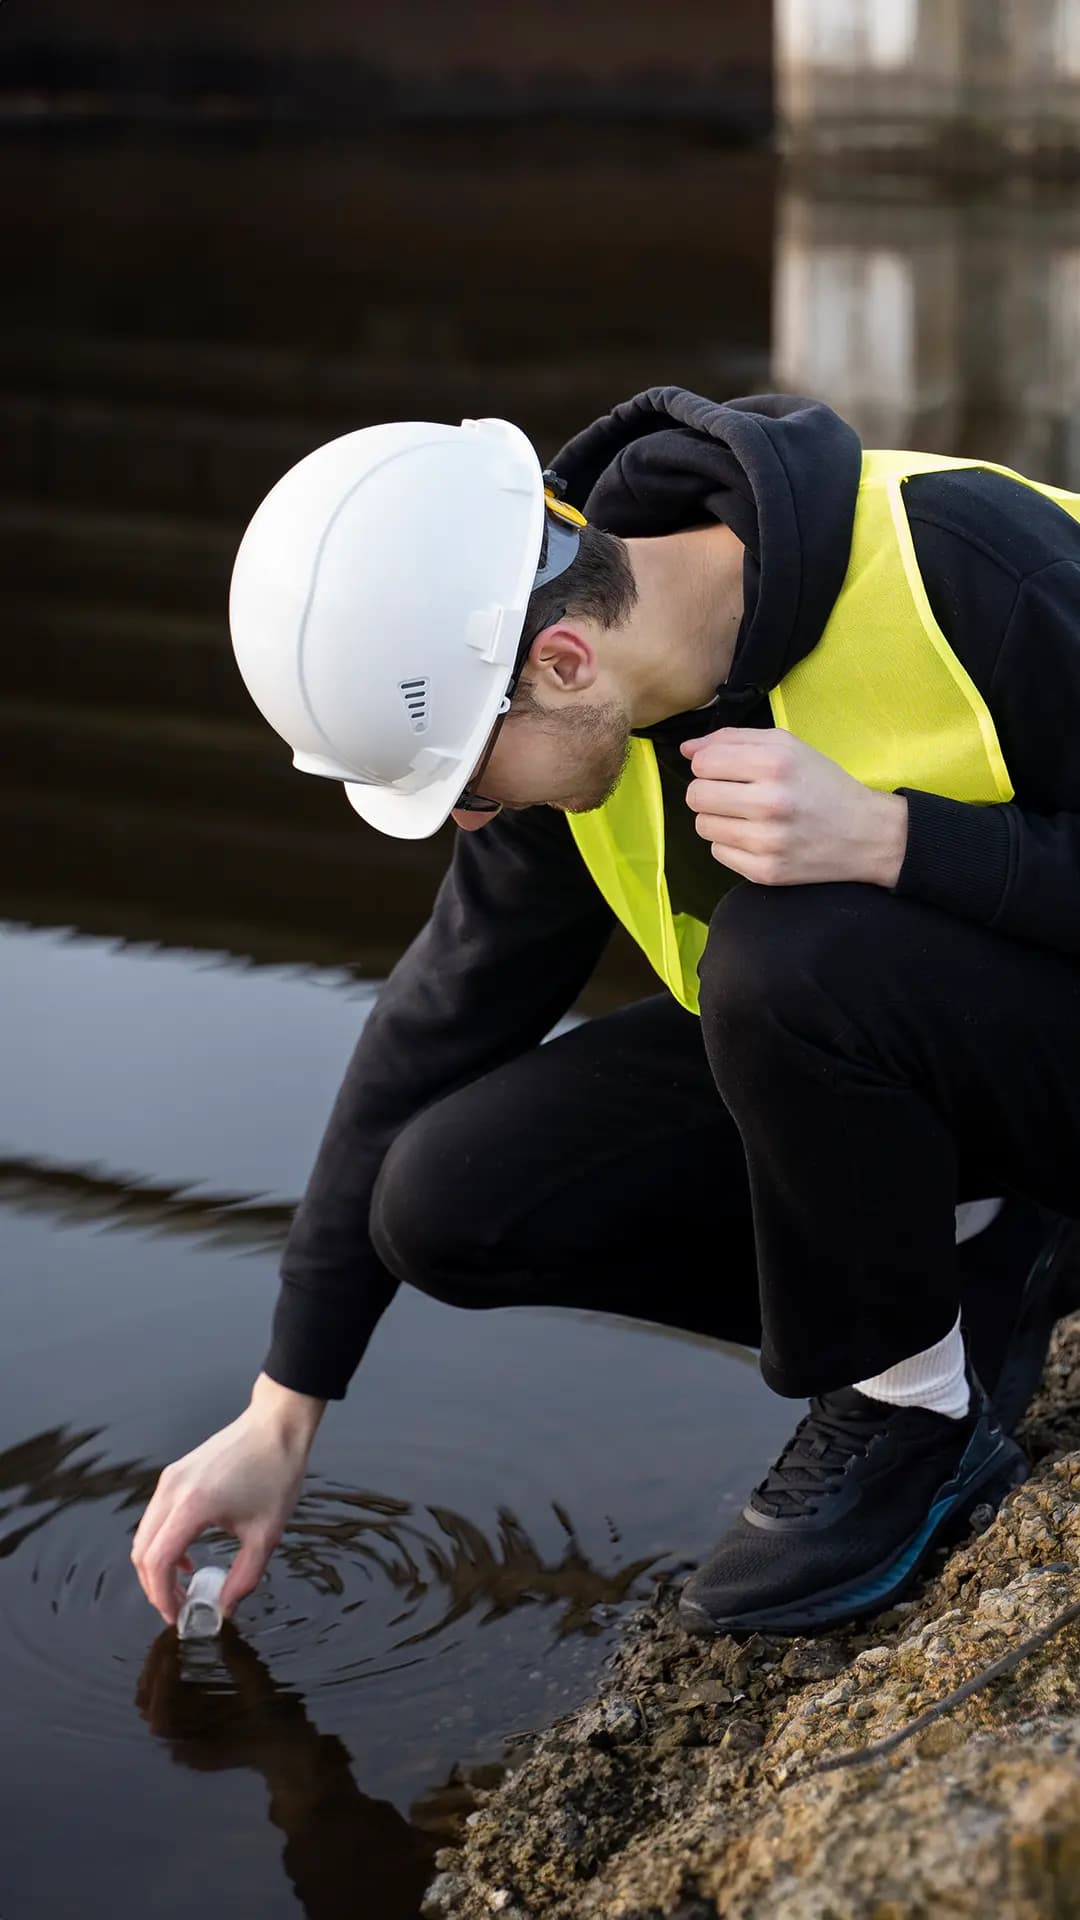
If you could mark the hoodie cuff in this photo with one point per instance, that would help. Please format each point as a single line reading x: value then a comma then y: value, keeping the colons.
x: 316, y: 1345
x: 957, y: 855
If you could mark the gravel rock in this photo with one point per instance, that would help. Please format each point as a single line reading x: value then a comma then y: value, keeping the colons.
x: 814, y: 1660
x: 611, y: 1722
x: 443, y: 1896
x: 693, y: 1788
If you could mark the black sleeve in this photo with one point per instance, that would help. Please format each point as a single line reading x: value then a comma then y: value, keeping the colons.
x: 516, y: 930
x: 1002, y: 570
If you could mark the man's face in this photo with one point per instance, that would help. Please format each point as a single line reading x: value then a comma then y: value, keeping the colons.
x: 569, y: 757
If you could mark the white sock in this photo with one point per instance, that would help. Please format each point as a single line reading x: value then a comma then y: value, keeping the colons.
x: 933, y: 1379
x: 974, y: 1216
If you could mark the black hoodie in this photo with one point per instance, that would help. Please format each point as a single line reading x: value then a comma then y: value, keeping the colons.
x: 517, y: 926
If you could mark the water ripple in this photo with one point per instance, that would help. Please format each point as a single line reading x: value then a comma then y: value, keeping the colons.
x: 402, y: 1578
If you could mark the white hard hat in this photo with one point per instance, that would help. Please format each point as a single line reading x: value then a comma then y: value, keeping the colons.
x: 377, y: 604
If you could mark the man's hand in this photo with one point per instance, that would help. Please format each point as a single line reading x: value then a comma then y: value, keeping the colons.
x: 246, y: 1479
x: 784, y: 815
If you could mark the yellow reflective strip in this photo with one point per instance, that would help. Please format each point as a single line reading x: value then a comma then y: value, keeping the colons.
x: 999, y: 772
x: 680, y: 950
x: 692, y: 936
x: 653, y: 796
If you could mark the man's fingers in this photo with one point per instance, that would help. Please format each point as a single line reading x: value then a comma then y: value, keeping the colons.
x: 732, y: 797
x: 157, y: 1566
x: 738, y: 799
x: 741, y: 743
x: 722, y: 759
x: 145, y: 1535
x: 148, y: 1525
x: 750, y: 736
x: 247, y: 1569
x: 162, y: 1501
x: 748, y: 836
x: 764, y: 869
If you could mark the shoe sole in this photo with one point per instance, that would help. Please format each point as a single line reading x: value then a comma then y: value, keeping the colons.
x: 880, y: 1586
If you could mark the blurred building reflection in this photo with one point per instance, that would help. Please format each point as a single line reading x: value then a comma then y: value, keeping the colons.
x: 934, y: 319
x: 966, y: 82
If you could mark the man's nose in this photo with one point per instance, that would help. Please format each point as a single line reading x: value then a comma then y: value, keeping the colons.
x: 469, y: 822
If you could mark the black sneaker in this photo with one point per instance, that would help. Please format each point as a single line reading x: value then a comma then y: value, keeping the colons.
x: 1017, y: 1278
x: 840, y: 1526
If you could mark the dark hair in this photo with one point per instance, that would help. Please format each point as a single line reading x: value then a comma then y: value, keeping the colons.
x: 599, y: 583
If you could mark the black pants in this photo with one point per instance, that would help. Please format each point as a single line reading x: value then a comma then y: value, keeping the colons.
x: 782, y: 1172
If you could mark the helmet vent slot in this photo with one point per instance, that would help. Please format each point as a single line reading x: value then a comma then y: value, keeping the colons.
x: 415, y: 695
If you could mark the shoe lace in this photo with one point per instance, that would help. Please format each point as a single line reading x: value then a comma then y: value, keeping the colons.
x: 822, y: 1446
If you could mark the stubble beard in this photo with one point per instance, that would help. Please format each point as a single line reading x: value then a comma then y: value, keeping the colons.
x: 607, y: 765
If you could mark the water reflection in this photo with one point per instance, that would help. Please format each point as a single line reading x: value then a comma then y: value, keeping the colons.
x: 477, y: 1575
x: 339, y: 1541
x: 219, y: 1708
x: 43, y: 1472
x: 935, y: 319
x: 475, y: 1520
x: 125, y: 1202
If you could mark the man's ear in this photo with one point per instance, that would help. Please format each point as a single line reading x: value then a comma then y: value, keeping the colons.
x: 565, y: 655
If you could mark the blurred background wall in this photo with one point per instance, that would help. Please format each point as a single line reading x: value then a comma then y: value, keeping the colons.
x: 363, y: 61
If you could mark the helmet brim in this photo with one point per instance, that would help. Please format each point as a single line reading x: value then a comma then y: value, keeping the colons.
x: 405, y: 816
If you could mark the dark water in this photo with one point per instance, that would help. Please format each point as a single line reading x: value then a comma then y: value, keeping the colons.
x: 491, y: 1496
x: 192, y: 933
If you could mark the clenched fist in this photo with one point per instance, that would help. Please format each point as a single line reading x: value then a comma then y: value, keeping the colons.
x: 784, y: 815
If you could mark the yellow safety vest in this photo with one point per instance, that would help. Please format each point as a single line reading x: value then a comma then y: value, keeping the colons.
x: 882, y: 693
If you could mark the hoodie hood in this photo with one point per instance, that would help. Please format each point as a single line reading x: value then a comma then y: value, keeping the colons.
x: 781, y: 471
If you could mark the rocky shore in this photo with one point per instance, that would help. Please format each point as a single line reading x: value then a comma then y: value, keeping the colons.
x: 697, y: 1785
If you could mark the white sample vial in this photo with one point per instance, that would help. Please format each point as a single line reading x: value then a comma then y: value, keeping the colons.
x: 200, y: 1616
